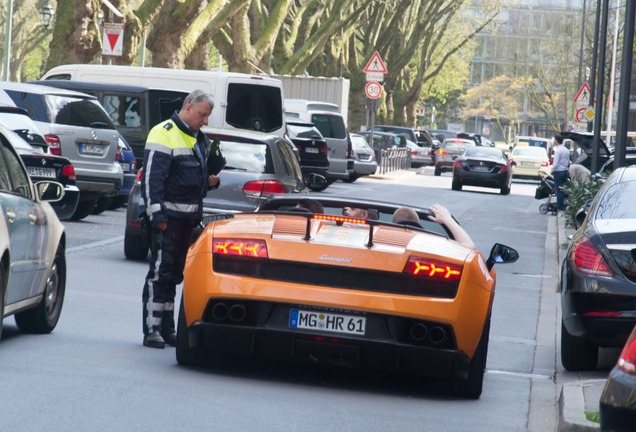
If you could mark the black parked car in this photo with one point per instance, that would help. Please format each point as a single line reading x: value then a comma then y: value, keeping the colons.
x: 598, y: 275
x: 482, y: 166
x: 40, y: 164
x: 312, y: 148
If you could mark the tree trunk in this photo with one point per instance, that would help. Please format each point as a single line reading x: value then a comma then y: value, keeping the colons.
x: 76, y: 37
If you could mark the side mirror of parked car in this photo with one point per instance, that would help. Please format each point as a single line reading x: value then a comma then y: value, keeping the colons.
x: 501, y: 254
x: 315, y: 181
x: 50, y: 191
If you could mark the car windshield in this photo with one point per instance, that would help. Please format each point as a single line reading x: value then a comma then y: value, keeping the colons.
x: 329, y: 125
x: 247, y: 156
x: 529, y: 151
x: 617, y: 202
x: 359, y: 142
x: 483, y: 152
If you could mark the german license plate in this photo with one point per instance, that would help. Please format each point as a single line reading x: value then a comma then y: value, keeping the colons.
x: 125, y: 166
x: 41, y: 172
x: 93, y: 149
x: 336, y: 323
x: 481, y: 168
x: 311, y: 150
x: 524, y: 163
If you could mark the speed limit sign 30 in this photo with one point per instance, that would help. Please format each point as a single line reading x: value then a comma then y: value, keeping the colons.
x: 373, y: 90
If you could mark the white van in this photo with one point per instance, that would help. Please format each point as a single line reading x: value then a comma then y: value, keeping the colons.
x: 330, y: 122
x: 242, y: 101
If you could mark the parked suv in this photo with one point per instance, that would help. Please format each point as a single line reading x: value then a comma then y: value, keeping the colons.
x: 76, y: 126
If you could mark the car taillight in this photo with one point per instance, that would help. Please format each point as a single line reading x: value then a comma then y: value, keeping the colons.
x: 55, y: 147
x: 627, y: 360
x: 140, y: 174
x: 504, y: 168
x: 544, y: 164
x: 424, y: 267
x: 263, y: 187
x: 413, y: 152
x: 457, y: 164
x: 324, y: 149
x: 240, y: 247
x: 442, y: 152
x: 69, y: 172
x: 587, y: 259
x: 118, y: 154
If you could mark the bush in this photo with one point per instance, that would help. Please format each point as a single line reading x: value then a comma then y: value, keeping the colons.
x: 578, y: 193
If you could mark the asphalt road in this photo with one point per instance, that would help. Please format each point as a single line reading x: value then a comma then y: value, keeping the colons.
x: 92, y: 373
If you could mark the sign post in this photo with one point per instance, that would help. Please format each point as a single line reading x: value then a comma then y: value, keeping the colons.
x: 582, y: 102
x: 374, y: 70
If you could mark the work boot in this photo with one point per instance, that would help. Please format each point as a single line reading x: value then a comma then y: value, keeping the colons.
x: 154, y: 340
x: 167, y: 325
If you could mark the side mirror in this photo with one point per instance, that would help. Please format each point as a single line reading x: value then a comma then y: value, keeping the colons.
x: 315, y: 181
x: 50, y: 191
x: 501, y: 254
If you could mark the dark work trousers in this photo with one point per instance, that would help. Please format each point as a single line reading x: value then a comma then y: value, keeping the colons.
x: 168, y: 251
x: 560, y: 178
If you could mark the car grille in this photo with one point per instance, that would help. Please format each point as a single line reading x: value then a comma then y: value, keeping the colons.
x: 334, y: 276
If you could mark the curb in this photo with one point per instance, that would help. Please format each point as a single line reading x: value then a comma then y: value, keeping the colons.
x: 572, y: 408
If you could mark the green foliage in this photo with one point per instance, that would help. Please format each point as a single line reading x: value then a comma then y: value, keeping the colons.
x: 578, y: 193
x: 593, y: 416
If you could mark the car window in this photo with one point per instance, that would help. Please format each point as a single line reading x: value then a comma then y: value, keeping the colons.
x: 76, y: 111
x: 292, y: 169
x: 330, y: 126
x: 254, y: 107
x: 33, y: 103
x: 473, y: 151
x: 303, y: 131
x: 123, y: 110
x: 529, y: 151
x: 247, y: 156
x: 13, y: 177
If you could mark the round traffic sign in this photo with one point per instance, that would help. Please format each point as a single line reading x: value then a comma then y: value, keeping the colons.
x: 373, y: 90
x: 580, y: 115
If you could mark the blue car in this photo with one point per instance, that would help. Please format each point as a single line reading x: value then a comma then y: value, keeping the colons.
x: 126, y: 159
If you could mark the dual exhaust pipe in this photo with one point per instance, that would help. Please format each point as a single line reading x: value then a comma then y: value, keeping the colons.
x: 235, y: 312
x: 436, y: 335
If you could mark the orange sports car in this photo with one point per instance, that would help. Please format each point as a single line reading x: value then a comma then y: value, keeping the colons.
x: 285, y: 283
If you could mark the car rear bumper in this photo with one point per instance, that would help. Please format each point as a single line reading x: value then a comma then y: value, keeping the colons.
x: 467, y: 178
x: 362, y: 168
x: 287, y: 345
x: 617, y: 406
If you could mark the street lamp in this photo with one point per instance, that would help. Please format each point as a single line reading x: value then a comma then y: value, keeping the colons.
x: 46, y: 16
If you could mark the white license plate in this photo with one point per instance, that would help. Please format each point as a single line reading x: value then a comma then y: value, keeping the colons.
x: 322, y: 321
x: 527, y: 163
x: 125, y: 166
x: 481, y: 169
x: 41, y: 172
x: 311, y: 150
x: 94, y: 149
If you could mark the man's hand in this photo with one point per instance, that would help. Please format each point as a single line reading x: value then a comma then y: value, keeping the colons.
x: 213, y: 181
x: 161, y: 226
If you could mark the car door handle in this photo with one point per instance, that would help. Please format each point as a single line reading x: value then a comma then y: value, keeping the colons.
x: 11, y: 215
x: 32, y: 218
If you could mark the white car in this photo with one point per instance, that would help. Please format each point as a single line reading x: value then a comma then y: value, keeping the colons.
x: 528, y: 161
x: 364, y: 162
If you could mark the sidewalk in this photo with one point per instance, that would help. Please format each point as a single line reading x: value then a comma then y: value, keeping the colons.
x: 576, y: 397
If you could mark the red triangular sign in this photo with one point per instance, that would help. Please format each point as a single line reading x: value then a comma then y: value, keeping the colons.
x: 375, y: 64
x: 112, y: 39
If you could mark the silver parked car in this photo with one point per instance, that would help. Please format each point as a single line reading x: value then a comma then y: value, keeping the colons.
x: 32, y: 245
x: 364, y: 161
x: 257, y: 166
x: 75, y: 126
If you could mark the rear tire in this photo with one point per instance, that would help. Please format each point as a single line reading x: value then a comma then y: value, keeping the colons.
x: 577, y: 355
x: 102, y: 205
x: 134, y: 247
x: 438, y: 171
x: 472, y: 386
x: 44, y: 317
x: 186, y: 355
x: 456, y: 186
x: 505, y: 190
x: 117, y: 202
x: 84, y: 208
x: 352, y: 178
